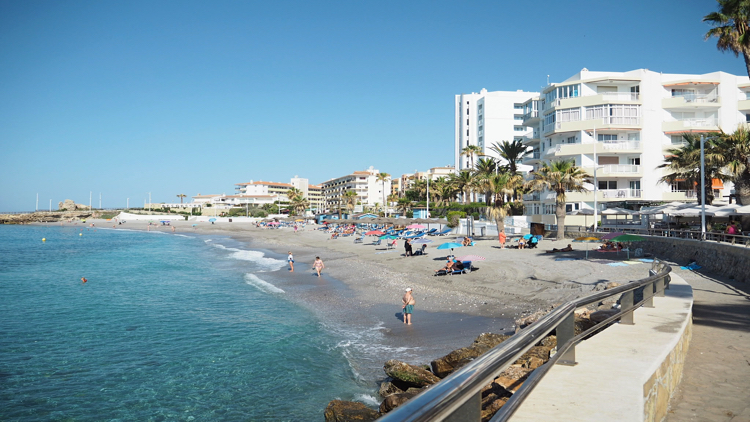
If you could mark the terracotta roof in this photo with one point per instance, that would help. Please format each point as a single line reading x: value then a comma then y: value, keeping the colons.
x: 251, y: 196
x: 260, y: 182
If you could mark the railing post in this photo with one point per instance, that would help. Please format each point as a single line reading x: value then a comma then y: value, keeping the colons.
x: 564, y: 332
x: 648, y: 295
x: 470, y: 411
x: 659, y: 287
x: 626, y: 301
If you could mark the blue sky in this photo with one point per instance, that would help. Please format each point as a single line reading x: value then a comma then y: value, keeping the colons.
x: 169, y: 97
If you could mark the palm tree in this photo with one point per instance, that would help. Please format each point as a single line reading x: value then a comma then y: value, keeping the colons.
x: 471, y: 151
x: 685, y: 165
x: 181, y: 195
x: 486, y: 168
x: 734, y: 156
x: 292, y: 192
x: 383, y: 177
x: 442, y: 190
x: 500, y: 186
x: 512, y: 152
x: 560, y: 177
x: 403, y: 205
x: 731, y: 28
x: 464, y: 183
x: 350, y: 200
x: 299, y: 204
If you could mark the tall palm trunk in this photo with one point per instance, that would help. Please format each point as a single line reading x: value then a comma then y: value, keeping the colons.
x: 560, y: 215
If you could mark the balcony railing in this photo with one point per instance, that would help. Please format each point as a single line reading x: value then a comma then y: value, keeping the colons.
x: 698, y: 98
x: 621, y: 145
x: 620, y: 193
x: 532, y: 196
x: 621, y: 168
x: 530, y: 115
x: 703, y: 122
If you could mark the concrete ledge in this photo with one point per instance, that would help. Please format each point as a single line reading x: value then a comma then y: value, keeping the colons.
x: 626, y: 372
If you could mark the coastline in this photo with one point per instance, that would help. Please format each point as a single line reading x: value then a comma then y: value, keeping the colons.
x: 362, y: 286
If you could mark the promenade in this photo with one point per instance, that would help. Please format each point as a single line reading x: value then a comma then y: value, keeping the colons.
x: 716, y: 381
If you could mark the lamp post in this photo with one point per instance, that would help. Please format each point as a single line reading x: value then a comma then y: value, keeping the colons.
x: 596, y: 185
x: 703, y: 191
x: 428, y: 196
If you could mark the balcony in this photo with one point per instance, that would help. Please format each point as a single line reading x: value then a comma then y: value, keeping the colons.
x: 707, y: 124
x: 604, y: 123
x: 692, y: 101
x: 601, y: 98
x: 532, y: 158
x: 531, y: 118
x: 604, y: 195
x: 619, y: 169
x: 605, y: 146
x: 743, y: 105
x: 535, y: 196
x: 531, y: 141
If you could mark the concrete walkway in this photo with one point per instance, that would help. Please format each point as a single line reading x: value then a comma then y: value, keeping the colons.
x: 716, y: 382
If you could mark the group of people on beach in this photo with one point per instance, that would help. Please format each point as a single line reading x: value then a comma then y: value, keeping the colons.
x: 318, y: 265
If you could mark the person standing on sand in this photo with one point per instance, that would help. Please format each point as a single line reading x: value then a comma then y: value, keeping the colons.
x: 290, y: 259
x: 318, y: 265
x: 502, y: 237
x: 408, y: 308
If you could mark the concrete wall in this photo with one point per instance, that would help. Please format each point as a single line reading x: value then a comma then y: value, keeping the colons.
x: 661, y: 385
x: 722, y: 258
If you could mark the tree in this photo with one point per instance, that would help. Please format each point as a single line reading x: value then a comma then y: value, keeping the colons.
x: 512, y: 152
x: 463, y: 182
x: 350, y: 200
x: 485, y: 169
x: 560, y: 177
x: 734, y: 156
x: 181, y: 195
x: 299, y: 204
x: 684, y: 163
x: 731, y: 28
x: 442, y: 190
x: 383, y: 177
x: 292, y: 192
x: 471, y: 151
x: 403, y: 205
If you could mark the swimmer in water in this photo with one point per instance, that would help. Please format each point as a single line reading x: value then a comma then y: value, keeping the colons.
x: 83, y: 279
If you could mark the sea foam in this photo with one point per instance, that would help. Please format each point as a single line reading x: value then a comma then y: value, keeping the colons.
x: 257, y: 257
x: 262, y: 285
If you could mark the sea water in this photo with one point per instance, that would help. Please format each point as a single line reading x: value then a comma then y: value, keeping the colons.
x: 167, y: 327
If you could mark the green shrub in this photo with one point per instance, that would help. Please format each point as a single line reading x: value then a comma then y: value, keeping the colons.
x: 410, y: 214
x: 453, y: 217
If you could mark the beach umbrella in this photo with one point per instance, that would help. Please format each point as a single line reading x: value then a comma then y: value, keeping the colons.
x: 587, y: 239
x: 211, y: 220
x: 415, y: 226
x: 450, y: 245
x: 628, y: 238
x: 374, y: 233
x: 609, y: 236
x: 421, y: 240
x: 471, y: 258
x: 388, y: 237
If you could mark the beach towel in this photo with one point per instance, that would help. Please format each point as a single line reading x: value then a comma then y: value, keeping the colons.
x: 618, y: 264
x: 646, y: 260
x: 632, y: 262
x: 691, y: 267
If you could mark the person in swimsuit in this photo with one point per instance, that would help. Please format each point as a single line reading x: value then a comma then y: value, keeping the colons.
x: 408, y: 308
x: 318, y: 265
x: 290, y: 259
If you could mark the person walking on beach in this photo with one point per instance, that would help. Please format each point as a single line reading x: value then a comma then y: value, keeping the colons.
x: 318, y: 265
x: 407, y: 248
x: 290, y: 259
x: 408, y: 308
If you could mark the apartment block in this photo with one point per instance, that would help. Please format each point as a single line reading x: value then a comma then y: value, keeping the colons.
x: 486, y: 118
x: 364, y: 183
x: 619, y: 126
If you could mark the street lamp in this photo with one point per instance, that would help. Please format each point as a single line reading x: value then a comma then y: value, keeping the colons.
x: 703, y: 191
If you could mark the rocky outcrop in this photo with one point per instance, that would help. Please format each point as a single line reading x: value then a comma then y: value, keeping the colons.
x: 445, y: 365
x: 69, y: 205
x: 395, y: 400
x: 346, y: 411
x: 42, y: 217
x: 411, y: 375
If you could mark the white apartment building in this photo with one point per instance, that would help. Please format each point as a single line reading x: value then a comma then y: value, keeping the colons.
x: 369, y: 190
x: 406, y: 181
x: 627, y: 120
x: 487, y: 118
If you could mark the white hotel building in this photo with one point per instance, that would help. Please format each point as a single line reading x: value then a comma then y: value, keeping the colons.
x: 486, y: 118
x: 628, y: 120
x: 368, y: 189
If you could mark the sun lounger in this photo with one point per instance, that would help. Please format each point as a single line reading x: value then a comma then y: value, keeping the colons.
x: 360, y: 239
x: 465, y: 270
x: 391, y: 245
x: 444, y: 232
x: 421, y: 251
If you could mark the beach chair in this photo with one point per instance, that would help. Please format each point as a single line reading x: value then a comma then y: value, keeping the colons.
x: 431, y: 231
x: 443, y: 232
x: 360, y: 239
x: 391, y: 245
x: 377, y: 243
x: 421, y: 251
x: 465, y: 270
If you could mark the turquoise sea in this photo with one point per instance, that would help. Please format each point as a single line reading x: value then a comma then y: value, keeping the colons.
x: 168, y: 327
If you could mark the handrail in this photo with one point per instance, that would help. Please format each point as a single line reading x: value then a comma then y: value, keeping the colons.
x: 458, y: 396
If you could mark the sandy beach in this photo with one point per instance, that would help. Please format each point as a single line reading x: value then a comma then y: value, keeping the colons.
x: 507, y: 284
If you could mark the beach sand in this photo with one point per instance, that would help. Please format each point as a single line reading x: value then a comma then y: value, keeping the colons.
x: 362, y: 284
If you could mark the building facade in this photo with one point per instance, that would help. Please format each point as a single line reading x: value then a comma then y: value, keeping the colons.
x: 487, y: 118
x: 364, y: 183
x: 406, y: 181
x: 618, y: 126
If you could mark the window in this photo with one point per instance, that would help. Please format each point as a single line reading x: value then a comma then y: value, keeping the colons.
x: 677, y: 140
x: 635, y: 161
x: 607, y: 184
x: 481, y: 106
x: 467, y: 122
x: 572, y: 207
x: 517, y: 106
x: 635, y: 184
x: 519, y: 128
x: 601, y: 137
x: 569, y: 115
x: 635, y: 136
x: 571, y: 140
x: 467, y: 132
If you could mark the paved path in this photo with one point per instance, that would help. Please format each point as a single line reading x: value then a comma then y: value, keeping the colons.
x: 716, y: 383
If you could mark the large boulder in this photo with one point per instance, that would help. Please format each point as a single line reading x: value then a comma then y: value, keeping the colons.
x: 534, y: 357
x: 347, y: 411
x: 388, y: 388
x: 411, y: 375
x: 512, y: 378
x: 444, y: 366
x: 395, y: 400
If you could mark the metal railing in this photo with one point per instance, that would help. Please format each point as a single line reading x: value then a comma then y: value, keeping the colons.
x: 458, y: 396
